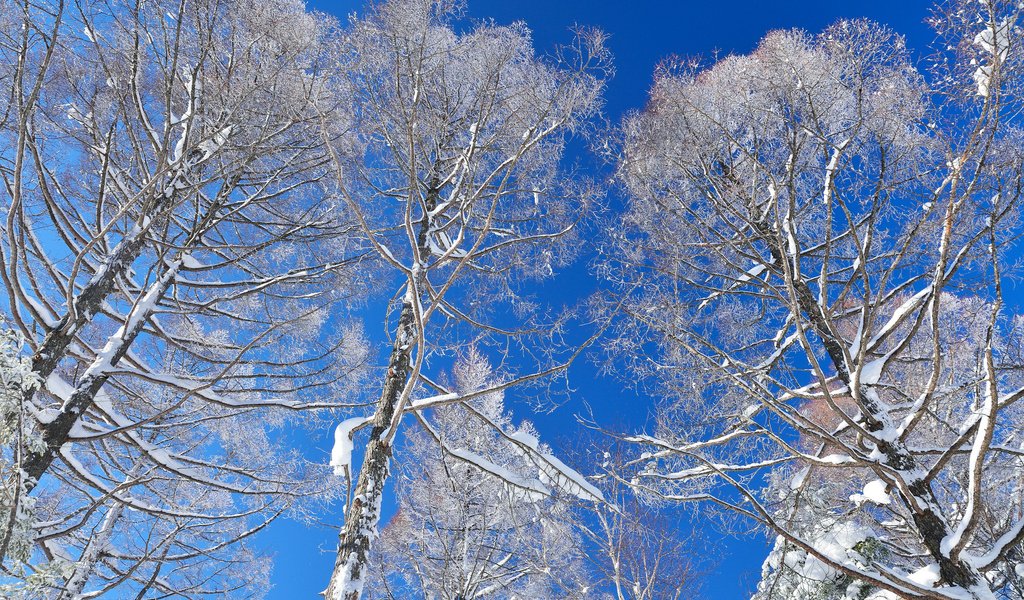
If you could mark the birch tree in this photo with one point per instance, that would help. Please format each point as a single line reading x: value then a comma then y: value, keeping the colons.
x: 817, y: 242
x: 456, y: 183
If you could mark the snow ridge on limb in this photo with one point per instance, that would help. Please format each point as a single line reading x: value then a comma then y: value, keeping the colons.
x: 550, y: 469
x: 341, y: 452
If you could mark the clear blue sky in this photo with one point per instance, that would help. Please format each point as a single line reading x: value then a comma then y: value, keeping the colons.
x: 643, y: 32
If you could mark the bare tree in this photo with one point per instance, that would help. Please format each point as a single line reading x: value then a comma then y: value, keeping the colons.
x: 636, y: 548
x: 472, y: 521
x: 818, y: 237
x: 476, y: 519
x: 456, y: 183
x: 170, y: 252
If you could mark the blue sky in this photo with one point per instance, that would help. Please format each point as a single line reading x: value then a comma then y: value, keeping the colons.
x: 643, y: 32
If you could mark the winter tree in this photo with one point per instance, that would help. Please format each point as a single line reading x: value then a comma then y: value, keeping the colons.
x: 170, y: 252
x: 456, y: 183
x: 816, y: 243
x: 16, y: 379
x: 471, y: 523
x: 635, y: 549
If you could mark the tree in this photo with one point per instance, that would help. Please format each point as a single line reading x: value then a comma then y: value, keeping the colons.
x: 637, y: 549
x: 16, y: 378
x: 170, y: 255
x: 816, y: 244
x: 471, y: 522
x: 477, y: 518
x: 455, y: 181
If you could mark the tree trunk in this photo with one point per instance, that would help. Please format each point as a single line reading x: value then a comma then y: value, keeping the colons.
x: 57, y: 432
x: 364, y: 514
x: 361, y: 521
x: 930, y: 526
x: 86, y: 304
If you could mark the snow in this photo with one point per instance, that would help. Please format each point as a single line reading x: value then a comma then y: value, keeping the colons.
x: 341, y: 453
x: 49, y: 319
x: 56, y: 385
x: 837, y: 544
x: 874, y: 492
x: 788, y: 227
x: 430, y: 401
x: 347, y: 582
x: 44, y: 416
x: 899, y: 315
x: 996, y: 44
x: 855, y: 344
x: 872, y: 371
x: 830, y: 170
x: 836, y: 459
x: 215, y: 143
x: 535, y: 490
x: 753, y: 272
x: 983, y: 79
x: 798, y: 480
x: 976, y: 461
x: 189, y: 262
x: 441, y: 245
x: 1005, y: 540
x: 926, y: 576
x: 555, y: 471
x: 387, y: 252
x: 349, y: 578
x: 105, y: 358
